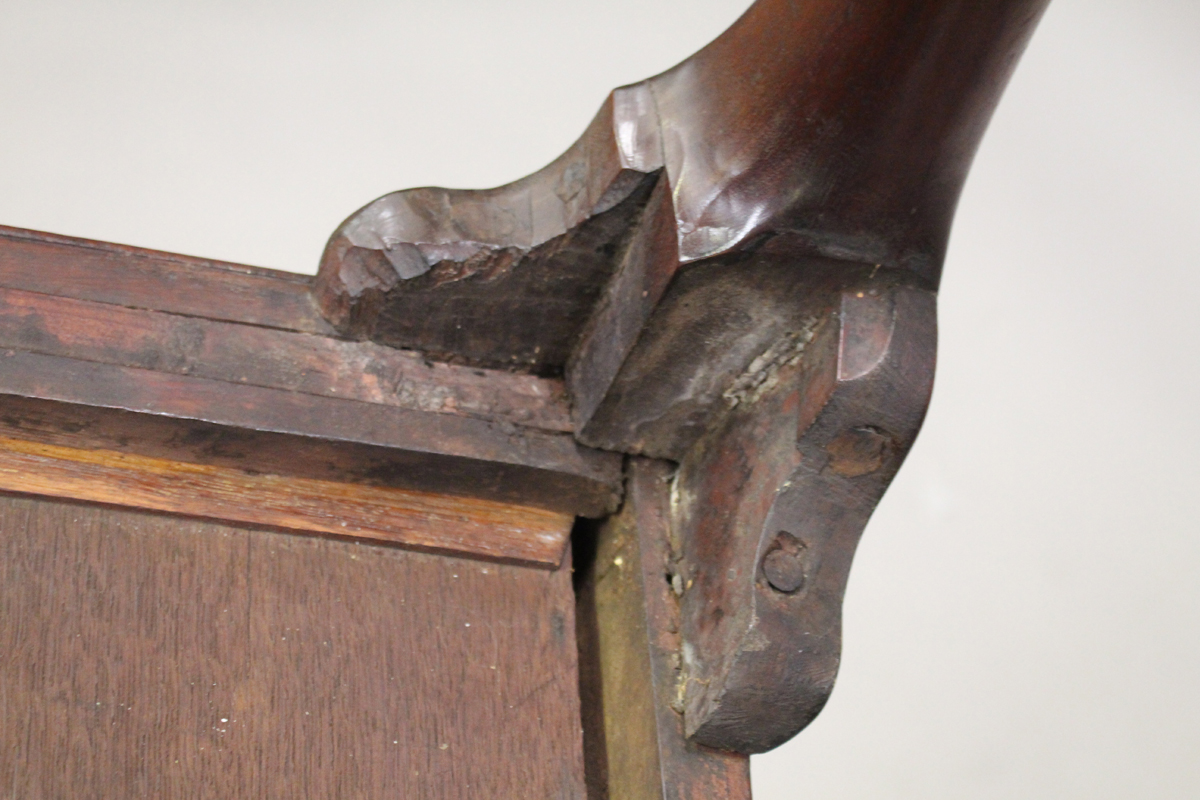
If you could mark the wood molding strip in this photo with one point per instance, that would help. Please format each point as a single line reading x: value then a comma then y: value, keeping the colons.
x: 419, y: 520
x: 276, y: 359
x: 474, y: 456
x: 99, y: 325
x: 139, y: 278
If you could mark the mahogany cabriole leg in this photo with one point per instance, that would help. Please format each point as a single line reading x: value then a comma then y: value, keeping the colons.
x: 734, y: 271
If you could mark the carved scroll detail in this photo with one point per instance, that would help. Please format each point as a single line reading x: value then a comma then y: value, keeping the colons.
x: 734, y: 270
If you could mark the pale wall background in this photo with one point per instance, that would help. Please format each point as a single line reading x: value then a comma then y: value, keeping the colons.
x: 1022, y: 617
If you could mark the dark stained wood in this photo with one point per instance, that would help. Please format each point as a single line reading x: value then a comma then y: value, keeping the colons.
x: 140, y: 278
x: 439, y: 523
x: 145, y: 656
x: 425, y: 451
x: 641, y: 278
x: 767, y: 321
x: 258, y: 453
x: 438, y: 452
x: 629, y: 623
x: 719, y: 331
x: 500, y: 278
x: 849, y: 126
x: 260, y: 356
x: 444, y: 428
x: 770, y: 504
x: 254, y: 452
x: 429, y: 426
x: 733, y: 269
x: 819, y: 132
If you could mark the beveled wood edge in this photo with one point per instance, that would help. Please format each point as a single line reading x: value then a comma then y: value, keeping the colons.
x: 137, y: 277
x: 897, y: 184
x: 425, y: 451
x: 461, y: 526
x: 108, y: 326
x: 192, y: 262
x: 294, y: 361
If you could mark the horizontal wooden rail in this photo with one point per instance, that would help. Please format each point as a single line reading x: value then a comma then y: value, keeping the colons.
x: 90, y: 331
x: 135, y: 277
x: 421, y: 520
x: 274, y: 359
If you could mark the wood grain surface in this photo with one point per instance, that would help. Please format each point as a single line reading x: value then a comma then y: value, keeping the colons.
x: 440, y: 452
x: 734, y: 268
x: 421, y: 520
x: 273, y: 453
x: 629, y: 620
x: 809, y: 158
x: 139, y: 278
x: 98, y: 325
x: 261, y: 356
x: 146, y: 656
